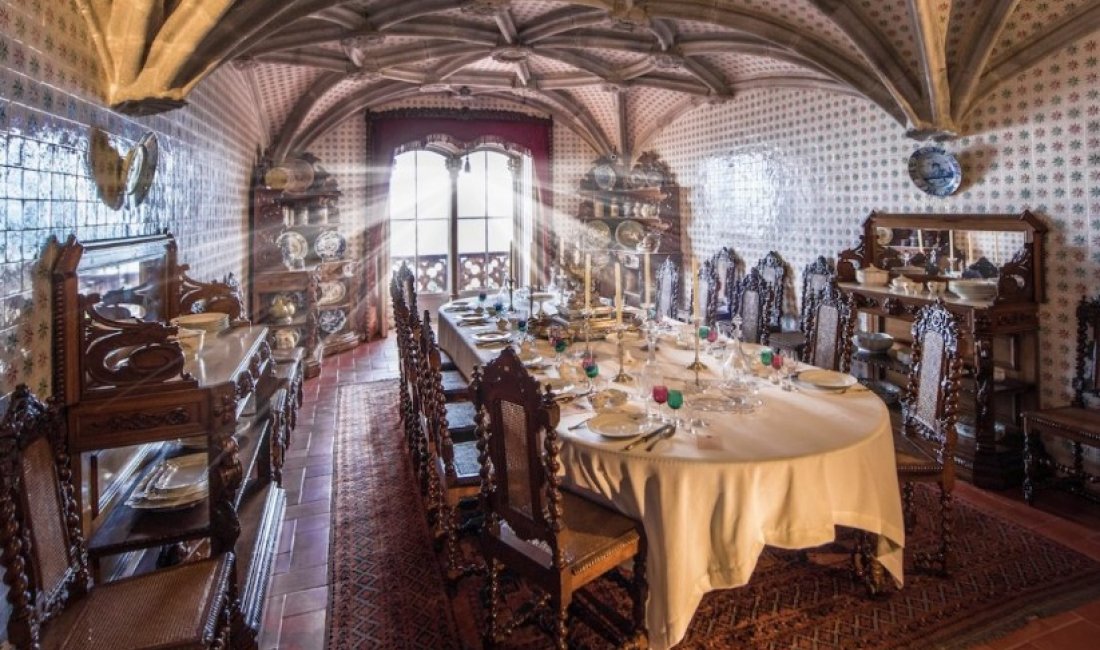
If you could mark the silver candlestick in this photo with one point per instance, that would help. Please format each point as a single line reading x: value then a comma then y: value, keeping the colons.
x: 622, y: 377
x: 696, y: 365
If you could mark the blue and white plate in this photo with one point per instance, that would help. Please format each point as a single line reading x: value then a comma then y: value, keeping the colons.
x: 330, y: 245
x: 935, y: 171
x: 332, y: 321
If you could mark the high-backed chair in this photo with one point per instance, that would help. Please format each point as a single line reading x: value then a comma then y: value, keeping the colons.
x: 54, y: 603
x: 555, y: 539
x: 830, y: 326
x: 751, y: 301
x: 773, y: 270
x: 449, y: 429
x: 925, y: 446
x: 1077, y: 423
x: 817, y: 278
x: 727, y: 266
x: 668, y: 289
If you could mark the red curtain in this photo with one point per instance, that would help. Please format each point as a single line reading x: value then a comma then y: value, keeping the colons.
x: 392, y: 131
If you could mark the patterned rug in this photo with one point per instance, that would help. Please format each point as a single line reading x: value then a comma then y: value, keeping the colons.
x: 388, y: 591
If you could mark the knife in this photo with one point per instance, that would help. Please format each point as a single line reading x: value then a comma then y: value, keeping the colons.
x: 647, y: 437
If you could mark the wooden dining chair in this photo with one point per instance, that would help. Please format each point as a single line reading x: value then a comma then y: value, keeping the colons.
x: 53, y: 601
x: 925, y: 446
x: 751, y: 302
x: 773, y: 270
x: 727, y: 265
x: 1076, y: 423
x: 555, y: 539
x: 709, y: 289
x: 450, y: 452
x: 817, y: 278
x: 830, y: 327
x: 667, y: 300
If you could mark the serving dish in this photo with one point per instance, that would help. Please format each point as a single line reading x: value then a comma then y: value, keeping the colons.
x: 212, y: 322
x: 935, y: 171
x: 982, y: 290
x: 873, y: 342
x: 332, y: 320
x: 629, y: 234
x: 330, y: 245
x: 872, y: 277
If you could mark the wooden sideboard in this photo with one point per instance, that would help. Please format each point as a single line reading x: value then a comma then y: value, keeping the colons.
x: 999, y: 335
x: 134, y: 398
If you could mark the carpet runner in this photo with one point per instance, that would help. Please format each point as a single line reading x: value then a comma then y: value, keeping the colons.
x: 387, y: 589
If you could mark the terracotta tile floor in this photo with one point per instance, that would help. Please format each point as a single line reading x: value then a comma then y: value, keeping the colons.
x: 296, y: 609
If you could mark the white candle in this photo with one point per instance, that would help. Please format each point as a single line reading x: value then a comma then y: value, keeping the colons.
x: 561, y: 250
x: 587, y: 281
x: 969, y: 248
x: 920, y: 239
x: 534, y: 275
x: 618, y: 293
x: 695, y: 287
x: 950, y: 250
x: 645, y: 278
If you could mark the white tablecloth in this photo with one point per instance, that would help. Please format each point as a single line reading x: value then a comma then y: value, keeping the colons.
x: 784, y: 476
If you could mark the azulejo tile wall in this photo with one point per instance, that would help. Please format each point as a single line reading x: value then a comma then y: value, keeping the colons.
x: 797, y: 171
x: 46, y: 109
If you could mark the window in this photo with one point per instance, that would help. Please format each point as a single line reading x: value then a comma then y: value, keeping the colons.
x: 491, y: 205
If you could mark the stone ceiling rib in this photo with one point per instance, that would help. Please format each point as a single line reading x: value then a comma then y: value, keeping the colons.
x: 975, y: 48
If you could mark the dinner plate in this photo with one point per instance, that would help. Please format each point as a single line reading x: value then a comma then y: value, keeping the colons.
x: 490, y: 337
x: 558, y: 386
x: 608, y: 399
x: 617, y: 425
x: 456, y: 308
x: 532, y: 362
x: 473, y: 320
x: 825, y: 379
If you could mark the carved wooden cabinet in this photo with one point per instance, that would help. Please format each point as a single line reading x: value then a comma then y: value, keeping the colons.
x: 621, y: 208
x: 134, y: 398
x: 999, y: 335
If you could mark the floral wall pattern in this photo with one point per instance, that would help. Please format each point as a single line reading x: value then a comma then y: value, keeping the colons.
x: 798, y: 171
x: 200, y: 192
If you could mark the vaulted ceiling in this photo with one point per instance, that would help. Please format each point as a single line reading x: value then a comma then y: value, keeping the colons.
x: 615, y: 72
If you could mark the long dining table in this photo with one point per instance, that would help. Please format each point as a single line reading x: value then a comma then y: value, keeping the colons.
x: 785, y: 475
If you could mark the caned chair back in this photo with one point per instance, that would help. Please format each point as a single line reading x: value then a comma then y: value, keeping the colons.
x: 829, y: 336
x: 519, y: 446
x: 668, y: 289
x: 930, y: 407
x: 751, y: 303
x: 817, y: 278
x: 45, y: 558
x: 709, y: 289
x: 726, y: 267
x: 773, y: 270
x: 1087, y: 379
x: 406, y: 281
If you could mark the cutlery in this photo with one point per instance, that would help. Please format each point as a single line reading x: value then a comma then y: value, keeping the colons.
x: 649, y: 436
x: 663, y: 436
x: 581, y: 423
x: 569, y: 397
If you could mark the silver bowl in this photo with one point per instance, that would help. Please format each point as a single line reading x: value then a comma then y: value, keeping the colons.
x: 873, y: 341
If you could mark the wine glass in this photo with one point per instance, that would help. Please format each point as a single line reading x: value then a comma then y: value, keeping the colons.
x: 660, y: 395
x: 481, y: 297
x: 521, y: 325
x: 777, y: 366
x: 675, y: 401
x: 790, y: 365
x: 591, y: 371
x: 561, y: 344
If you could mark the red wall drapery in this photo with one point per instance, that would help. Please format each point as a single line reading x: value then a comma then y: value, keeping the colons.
x: 389, y: 132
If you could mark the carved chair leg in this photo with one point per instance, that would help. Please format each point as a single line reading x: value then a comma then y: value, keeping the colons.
x: 561, y: 622
x: 491, y: 622
x: 907, y: 506
x: 1031, y: 449
x: 947, y: 529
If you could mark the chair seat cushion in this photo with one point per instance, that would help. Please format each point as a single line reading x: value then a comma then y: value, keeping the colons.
x: 1073, y: 422
x: 176, y: 607
x: 596, y: 537
x: 460, y: 421
x: 446, y: 362
x: 913, y: 460
x: 455, y: 385
x: 467, y: 469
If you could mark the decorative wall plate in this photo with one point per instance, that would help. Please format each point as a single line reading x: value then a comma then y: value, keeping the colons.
x: 330, y: 245
x: 883, y: 236
x: 604, y: 176
x: 599, y: 234
x: 150, y: 154
x: 332, y: 292
x: 332, y: 321
x: 629, y: 234
x: 935, y: 171
x: 293, y: 245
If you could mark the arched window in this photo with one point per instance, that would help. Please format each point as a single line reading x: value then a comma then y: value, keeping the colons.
x: 478, y: 220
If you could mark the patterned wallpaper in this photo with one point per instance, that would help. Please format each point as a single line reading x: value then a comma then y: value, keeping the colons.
x: 46, y: 108
x: 798, y: 171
